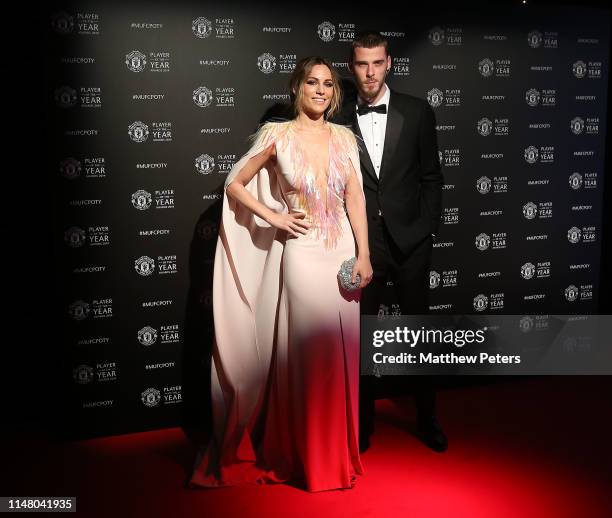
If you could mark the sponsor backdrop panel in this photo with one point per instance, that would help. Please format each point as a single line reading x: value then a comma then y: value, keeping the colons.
x: 150, y: 108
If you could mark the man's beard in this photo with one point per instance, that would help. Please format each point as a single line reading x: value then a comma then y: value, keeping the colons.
x: 370, y: 91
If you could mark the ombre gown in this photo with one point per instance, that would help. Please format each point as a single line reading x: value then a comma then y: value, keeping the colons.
x: 285, y: 373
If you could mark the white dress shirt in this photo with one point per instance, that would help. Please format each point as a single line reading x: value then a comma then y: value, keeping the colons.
x: 373, y: 127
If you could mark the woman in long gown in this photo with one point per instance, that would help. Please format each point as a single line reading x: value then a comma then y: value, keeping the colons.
x: 285, y: 370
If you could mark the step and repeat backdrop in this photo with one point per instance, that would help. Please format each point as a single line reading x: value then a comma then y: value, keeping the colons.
x: 150, y: 106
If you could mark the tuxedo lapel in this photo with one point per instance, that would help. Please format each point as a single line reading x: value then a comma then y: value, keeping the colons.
x: 395, y: 121
x: 363, y: 151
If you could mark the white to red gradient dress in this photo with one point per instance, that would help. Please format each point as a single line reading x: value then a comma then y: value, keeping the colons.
x: 285, y: 371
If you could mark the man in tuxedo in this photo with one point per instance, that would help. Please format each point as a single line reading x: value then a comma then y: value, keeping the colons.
x: 403, y: 190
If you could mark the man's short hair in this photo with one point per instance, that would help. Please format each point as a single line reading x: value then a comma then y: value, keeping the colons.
x: 369, y: 40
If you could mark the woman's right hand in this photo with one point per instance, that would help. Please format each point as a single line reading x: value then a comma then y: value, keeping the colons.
x: 292, y: 223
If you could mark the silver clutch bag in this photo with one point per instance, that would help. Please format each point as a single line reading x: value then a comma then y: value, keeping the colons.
x: 345, y: 274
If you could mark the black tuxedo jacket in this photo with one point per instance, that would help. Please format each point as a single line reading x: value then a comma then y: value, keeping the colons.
x: 408, y: 192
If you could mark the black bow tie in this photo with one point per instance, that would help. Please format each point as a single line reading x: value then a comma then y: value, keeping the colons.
x: 362, y: 109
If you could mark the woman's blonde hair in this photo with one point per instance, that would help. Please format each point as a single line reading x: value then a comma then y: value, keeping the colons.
x: 298, y: 78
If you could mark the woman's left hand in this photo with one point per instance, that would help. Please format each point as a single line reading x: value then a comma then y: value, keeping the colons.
x: 363, y: 268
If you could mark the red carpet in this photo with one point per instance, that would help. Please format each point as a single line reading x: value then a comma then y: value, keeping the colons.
x: 528, y: 448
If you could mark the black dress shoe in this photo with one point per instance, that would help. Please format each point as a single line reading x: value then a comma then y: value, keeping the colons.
x: 430, y: 432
